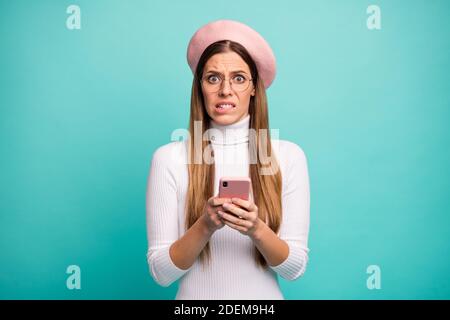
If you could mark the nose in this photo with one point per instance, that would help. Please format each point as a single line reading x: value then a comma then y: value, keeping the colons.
x: 225, y: 90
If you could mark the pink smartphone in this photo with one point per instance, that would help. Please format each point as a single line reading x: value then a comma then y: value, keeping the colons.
x: 234, y: 187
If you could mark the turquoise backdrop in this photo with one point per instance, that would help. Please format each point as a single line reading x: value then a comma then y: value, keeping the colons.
x: 81, y: 112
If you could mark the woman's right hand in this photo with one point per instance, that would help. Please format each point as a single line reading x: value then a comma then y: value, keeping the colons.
x: 213, y: 221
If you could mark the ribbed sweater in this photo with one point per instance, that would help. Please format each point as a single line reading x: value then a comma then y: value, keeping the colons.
x: 233, y: 272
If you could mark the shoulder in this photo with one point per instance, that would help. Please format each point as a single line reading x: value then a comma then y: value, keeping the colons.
x: 291, y: 157
x: 170, y: 153
x: 288, y: 151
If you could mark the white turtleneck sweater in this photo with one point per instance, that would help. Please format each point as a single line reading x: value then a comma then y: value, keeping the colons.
x: 233, y: 272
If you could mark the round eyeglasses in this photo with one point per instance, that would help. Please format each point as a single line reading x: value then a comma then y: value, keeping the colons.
x: 213, y: 82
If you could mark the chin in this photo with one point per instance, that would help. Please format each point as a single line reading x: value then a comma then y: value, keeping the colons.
x: 225, y: 119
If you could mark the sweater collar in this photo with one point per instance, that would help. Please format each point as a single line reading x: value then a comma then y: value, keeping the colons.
x: 234, y: 133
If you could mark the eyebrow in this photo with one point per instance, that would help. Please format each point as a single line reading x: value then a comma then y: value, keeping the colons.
x: 232, y: 72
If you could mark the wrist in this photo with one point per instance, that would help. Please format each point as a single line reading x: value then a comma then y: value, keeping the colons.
x: 259, y: 230
x: 205, y: 228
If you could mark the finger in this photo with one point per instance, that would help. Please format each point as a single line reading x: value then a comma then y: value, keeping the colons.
x: 218, y: 201
x: 211, y: 201
x: 219, y: 217
x: 232, y: 225
x: 212, y: 210
x: 236, y: 210
x: 250, y: 206
x: 219, y: 221
x: 221, y: 201
x: 230, y: 218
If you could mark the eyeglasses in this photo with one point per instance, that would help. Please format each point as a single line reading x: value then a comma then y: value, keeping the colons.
x: 213, y: 82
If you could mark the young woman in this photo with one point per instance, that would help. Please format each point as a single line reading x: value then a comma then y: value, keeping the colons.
x: 221, y: 248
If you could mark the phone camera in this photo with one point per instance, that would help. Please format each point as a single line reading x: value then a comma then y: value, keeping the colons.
x: 225, y: 184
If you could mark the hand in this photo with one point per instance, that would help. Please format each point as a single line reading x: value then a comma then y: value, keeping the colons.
x: 213, y: 221
x: 243, y: 217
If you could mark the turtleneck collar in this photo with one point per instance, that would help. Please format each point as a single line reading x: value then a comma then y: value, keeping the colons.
x: 234, y: 133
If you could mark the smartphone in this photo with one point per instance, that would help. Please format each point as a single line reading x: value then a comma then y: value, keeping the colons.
x: 234, y: 187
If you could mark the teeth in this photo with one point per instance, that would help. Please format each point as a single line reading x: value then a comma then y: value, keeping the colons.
x: 225, y: 106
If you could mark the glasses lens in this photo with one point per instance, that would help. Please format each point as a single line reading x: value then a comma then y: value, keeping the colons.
x: 214, y: 83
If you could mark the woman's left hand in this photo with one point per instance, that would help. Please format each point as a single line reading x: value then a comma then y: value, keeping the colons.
x: 244, y: 217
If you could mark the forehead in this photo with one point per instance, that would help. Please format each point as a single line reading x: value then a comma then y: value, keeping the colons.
x: 226, y: 62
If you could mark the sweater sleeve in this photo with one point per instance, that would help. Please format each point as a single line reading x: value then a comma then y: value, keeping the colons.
x: 162, y: 217
x: 294, y: 228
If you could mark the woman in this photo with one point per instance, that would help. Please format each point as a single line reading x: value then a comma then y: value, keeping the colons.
x: 224, y: 248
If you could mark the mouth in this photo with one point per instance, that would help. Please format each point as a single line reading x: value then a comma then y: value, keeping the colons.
x: 225, y: 106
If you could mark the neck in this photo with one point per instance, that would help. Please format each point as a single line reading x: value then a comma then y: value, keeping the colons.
x: 230, y: 134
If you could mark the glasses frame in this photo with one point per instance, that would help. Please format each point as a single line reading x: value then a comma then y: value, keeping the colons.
x: 204, y: 78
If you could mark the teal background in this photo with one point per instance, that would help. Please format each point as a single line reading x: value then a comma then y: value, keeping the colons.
x: 81, y: 112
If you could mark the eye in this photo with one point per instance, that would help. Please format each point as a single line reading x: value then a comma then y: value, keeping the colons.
x: 239, y: 78
x: 213, y: 79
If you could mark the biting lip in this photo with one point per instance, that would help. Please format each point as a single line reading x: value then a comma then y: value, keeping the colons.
x: 225, y: 102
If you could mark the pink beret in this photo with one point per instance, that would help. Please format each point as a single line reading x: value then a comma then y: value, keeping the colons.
x: 257, y: 47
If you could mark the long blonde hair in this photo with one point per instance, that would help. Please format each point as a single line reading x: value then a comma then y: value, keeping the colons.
x: 266, y: 188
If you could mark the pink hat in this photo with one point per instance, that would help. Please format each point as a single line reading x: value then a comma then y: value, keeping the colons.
x: 257, y: 47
